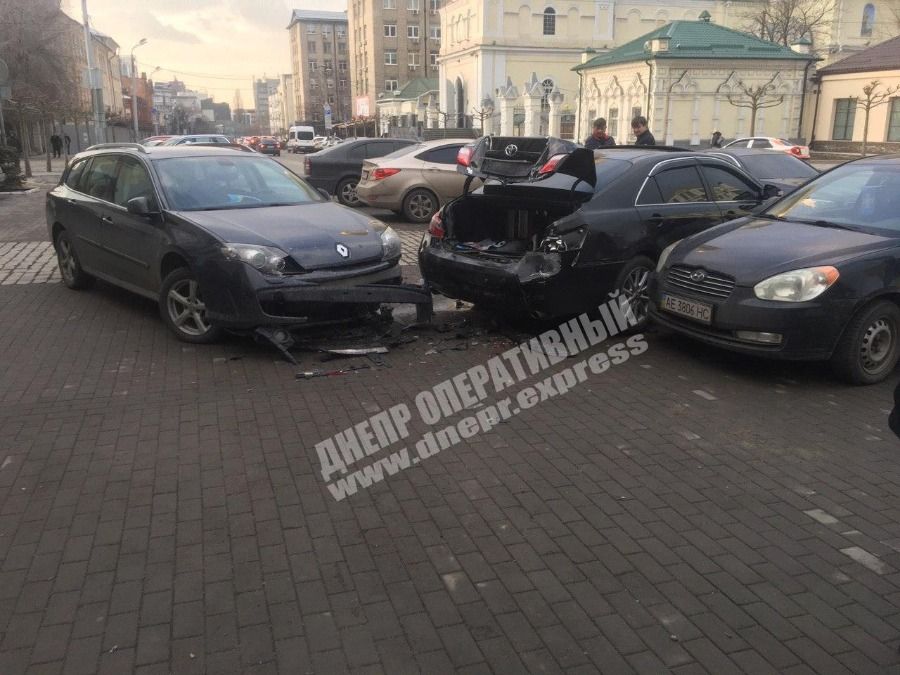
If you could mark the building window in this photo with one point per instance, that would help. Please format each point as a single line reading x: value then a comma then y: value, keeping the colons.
x: 435, y: 32
x: 432, y: 59
x: 326, y: 47
x: 390, y: 30
x: 613, y: 122
x: 328, y: 65
x: 391, y: 85
x: 342, y: 66
x: 311, y: 28
x: 342, y: 47
x: 390, y: 4
x: 390, y: 57
x: 313, y: 65
x: 340, y: 32
x: 412, y: 32
x: 435, y: 5
x: 412, y: 5
x: 311, y: 47
x: 326, y: 31
x: 313, y: 84
x: 868, y: 20
x: 549, y: 21
x: 330, y: 99
x: 413, y: 60
x: 894, y: 121
x: 844, y: 116
x: 342, y: 84
x: 636, y: 111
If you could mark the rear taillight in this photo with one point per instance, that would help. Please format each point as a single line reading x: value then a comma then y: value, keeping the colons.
x: 551, y: 164
x: 436, y: 226
x: 464, y: 156
x: 379, y: 173
x: 795, y: 150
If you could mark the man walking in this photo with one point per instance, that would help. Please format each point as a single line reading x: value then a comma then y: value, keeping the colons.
x: 641, y: 131
x: 599, y: 138
x: 56, y: 143
x: 68, y: 144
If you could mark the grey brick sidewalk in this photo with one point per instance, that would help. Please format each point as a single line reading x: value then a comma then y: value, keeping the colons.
x: 161, y: 511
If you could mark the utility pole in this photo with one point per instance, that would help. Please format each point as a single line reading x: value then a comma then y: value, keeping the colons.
x: 93, y: 77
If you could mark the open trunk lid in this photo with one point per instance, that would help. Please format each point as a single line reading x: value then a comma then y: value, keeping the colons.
x: 513, y: 159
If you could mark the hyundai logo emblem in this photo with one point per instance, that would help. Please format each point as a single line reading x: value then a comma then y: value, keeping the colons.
x: 511, y: 150
x: 698, y: 275
x: 343, y: 251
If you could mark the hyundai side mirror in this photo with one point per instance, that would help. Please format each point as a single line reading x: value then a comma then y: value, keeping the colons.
x: 141, y: 206
x: 770, y: 191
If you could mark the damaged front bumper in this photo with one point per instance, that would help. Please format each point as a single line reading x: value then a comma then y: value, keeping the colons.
x: 238, y: 297
x: 544, y: 285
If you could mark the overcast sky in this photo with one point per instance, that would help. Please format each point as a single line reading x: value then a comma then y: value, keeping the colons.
x: 230, y: 39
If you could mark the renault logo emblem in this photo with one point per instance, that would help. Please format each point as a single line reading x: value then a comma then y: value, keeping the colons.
x: 698, y: 275
x: 511, y: 150
x: 343, y: 251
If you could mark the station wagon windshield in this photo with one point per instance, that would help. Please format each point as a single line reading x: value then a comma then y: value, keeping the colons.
x: 214, y: 183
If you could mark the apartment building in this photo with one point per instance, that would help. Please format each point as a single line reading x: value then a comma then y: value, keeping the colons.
x: 320, y: 62
x: 262, y: 89
x: 391, y: 43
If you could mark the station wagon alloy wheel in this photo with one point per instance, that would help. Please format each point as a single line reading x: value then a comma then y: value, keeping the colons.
x: 634, y: 285
x: 186, y: 309
x: 67, y: 264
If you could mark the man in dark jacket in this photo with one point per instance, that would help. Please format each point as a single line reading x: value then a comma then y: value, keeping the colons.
x: 599, y: 138
x: 640, y: 130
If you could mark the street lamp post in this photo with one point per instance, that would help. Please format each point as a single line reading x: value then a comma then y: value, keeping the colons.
x: 142, y: 42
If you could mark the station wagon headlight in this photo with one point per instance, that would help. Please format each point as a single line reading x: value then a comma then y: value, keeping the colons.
x: 390, y: 243
x: 797, y: 285
x: 266, y: 259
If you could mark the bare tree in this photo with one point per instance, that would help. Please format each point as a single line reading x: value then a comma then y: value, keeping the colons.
x: 787, y: 21
x: 872, y: 98
x: 756, y: 98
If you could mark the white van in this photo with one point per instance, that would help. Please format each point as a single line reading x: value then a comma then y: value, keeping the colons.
x: 300, y: 139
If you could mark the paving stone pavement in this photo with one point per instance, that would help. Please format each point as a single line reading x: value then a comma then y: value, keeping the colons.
x: 688, y: 511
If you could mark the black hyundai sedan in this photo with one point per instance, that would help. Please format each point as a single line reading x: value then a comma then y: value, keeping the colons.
x: 222, y: 239
x: 554, y: 230
x: 815, y: 276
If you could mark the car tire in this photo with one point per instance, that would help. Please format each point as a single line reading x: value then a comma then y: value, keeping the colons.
x: 870, y: 345
x: 419, y: 205
x: 69, y: 266
x: 182, y: 309
x: 633, y: 282
x: 346, y: 192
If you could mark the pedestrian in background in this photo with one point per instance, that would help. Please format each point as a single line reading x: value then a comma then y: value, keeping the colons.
x: 716, y: 140
x: 641, y: 131
x: 68, y: 144
x: 599, y: 138
x: 56, y: 144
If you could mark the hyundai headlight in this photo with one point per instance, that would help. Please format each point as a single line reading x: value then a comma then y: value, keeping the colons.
x: 390, y: 244
x: 797, y: 285
x: 664, y: 256
x: 266, y: 259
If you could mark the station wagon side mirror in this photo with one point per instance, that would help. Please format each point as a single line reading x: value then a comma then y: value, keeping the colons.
x: 141, y: 206
x: 325, y: 194
x: 770, y: 191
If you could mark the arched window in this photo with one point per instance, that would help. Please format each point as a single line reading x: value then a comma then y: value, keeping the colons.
x: 549, y: 21
x: 547, y: 85
x: 868, y: 20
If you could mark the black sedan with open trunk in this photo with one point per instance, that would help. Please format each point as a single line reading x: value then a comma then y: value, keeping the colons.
x: 555, y: 229
x: 814, y: 276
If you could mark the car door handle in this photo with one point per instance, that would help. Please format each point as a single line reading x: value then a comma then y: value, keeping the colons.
x: 655, y: 219
x: 107, y: 219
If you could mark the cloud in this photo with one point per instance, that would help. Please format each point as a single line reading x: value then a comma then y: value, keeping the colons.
x: 154, y: 28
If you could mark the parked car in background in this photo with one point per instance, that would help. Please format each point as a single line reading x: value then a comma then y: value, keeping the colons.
x: 337, y: 169
x: 268, y: 146
x: 221, y: 239
x: 197, y: 138
x: 320, y: 142
x: 150, y: 141
x: 814, y: 276
x: 301, y: 139
x: 554, y: 230
x: 781, y: 169
x: 770, y: 143
x: 415, y: 180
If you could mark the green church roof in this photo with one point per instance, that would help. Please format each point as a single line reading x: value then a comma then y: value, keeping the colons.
x: 696, y: 40
x: 413, y: 89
